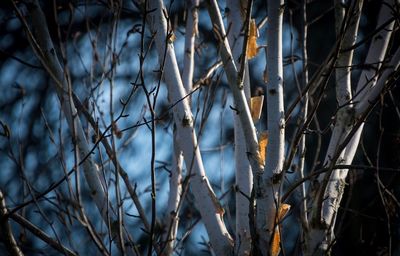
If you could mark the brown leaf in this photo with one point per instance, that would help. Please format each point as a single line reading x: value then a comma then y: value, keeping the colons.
x: 252, y: 48
x: 275, y: 244
x: 276, y: 238
x: 283, y: 210
x: 171, y: 37
x: 256, y: 104
x: 262, y: 144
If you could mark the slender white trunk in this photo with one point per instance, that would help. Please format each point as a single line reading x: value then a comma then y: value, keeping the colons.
x: 205, y: 198
x: 43, y: 46
x: 243, y: 174
x: 243, y: 111
x: 322, y: 237
x: 345, y: 117
x: 174, y: 198
x: 241, y: 107
x: 373, y: 61
x: 190, y: 36
x: 268, y: 201
x: 391, y: 67
x: 175, y: 179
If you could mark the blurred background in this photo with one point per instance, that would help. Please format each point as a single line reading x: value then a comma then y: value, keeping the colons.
x: 37, y: 150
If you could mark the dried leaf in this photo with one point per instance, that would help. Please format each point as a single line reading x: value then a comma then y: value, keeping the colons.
x: 256, y: 104
x: 275, y: 244
x: 252, y: 48
x: 283, y: 210
x: 262, y: 144
x: 276, y: 238
x: 171, y: 37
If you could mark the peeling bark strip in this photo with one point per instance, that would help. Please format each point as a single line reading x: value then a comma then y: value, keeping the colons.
x: 220, y: 239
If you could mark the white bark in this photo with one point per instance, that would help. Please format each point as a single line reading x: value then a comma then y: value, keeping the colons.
x: 267, y: 203
x: 241, y: 106
x: 174, y: 198
x: 369, y: 76
x: 205, y: 199
x: 345, y: 59
x: 392, y: 66
x: 175, y: 186
x: 321, y: 237
x: 243, y: 111
x: 335, y: 187
x: 190, y: 36
x: 243, y: 174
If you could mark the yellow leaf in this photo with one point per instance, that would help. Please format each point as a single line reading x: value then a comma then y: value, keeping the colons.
x: 262, y: 144
x: 275, y: 244
x: 283, y: 210
x: 252, y: 48
x: 276, y: 238
x: 256, y: 104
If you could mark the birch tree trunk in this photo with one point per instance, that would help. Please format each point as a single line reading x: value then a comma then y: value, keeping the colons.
x: 369, y: 76
x: 205, y: 199
x: 175, y: 180
x: 241, y: 107
x: 264, y: 183
x: 319, y: 237
x: 244, y: 177
x: 268, y: 202
x: 190, y: 36
x: 174, y: 199
x: 322, y: 237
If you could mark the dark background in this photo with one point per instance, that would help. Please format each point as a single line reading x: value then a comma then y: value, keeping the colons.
x: 368, y: 218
